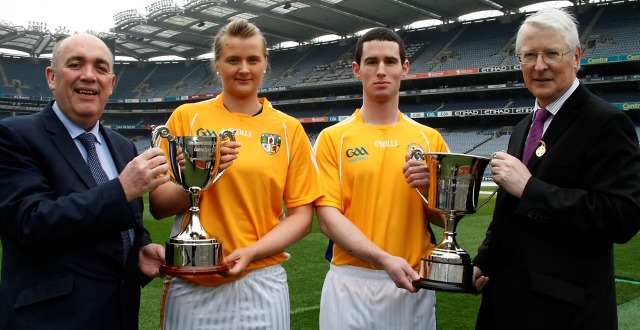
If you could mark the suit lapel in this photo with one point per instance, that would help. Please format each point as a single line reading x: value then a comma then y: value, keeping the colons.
x: 113, y: 149
x: 116, y: 148
x: 519, y: 137
x: 562, y: 121
x: 64, y: 143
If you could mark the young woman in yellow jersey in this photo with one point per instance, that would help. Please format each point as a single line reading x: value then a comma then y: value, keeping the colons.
x: 244, y: 208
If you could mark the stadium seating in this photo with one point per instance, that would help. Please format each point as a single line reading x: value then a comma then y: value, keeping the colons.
x: 479, y: 44
x: 24, y: 76
x: 607, y: 30
x: 616, y: 31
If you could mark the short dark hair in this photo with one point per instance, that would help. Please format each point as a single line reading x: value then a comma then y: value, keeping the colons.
x: 62, y: 39
x: 380, y: 34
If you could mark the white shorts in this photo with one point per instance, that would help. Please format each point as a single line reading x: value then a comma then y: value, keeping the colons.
x: 362, y: 298
x: 259, y: 300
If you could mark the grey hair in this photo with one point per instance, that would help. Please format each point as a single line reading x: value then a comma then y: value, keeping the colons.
x: 556, y: 19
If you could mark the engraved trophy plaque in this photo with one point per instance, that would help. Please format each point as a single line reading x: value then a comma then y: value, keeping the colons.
x: 193, y: 251
x: 454, y: 188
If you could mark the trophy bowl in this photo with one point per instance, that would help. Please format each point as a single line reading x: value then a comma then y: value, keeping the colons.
x: 193, y: 250
x: 454, y: 187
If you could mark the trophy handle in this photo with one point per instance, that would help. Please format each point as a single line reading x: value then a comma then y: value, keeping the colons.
x: 418, y: 155
x: 488, y: 198
x: 157, y: 134
x: 224, y: 135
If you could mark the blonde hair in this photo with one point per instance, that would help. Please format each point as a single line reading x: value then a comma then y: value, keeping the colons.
x: 238, y: 28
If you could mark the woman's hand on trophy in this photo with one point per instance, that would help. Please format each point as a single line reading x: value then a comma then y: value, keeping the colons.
x: 479, y: 280
x: 237, y: 262
x: 150, y: 258
x: 228, y: 153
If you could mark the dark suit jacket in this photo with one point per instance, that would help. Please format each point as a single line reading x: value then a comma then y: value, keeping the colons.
x: 549, y: 254
x: 60, y: 232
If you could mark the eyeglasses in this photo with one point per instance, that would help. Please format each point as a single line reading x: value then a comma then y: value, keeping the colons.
x: 548, y: 56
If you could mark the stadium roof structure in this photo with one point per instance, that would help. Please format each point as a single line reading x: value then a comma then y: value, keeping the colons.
x: 186, y: 31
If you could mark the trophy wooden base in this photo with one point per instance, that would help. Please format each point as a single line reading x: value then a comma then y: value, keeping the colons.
x: 445, y: 286
x: 193, y: 270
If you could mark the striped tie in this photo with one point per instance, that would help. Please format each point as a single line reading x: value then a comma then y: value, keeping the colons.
x: 88, y: 140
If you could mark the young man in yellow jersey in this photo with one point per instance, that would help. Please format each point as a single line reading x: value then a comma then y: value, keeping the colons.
x: 371, y: 210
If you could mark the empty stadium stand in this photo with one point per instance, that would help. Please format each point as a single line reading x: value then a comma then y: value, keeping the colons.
x: 466, y: 80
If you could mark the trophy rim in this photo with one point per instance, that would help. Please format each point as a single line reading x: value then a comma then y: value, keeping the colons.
x: 195, y: 242
x: 193, y: 270
x: 457, y: 154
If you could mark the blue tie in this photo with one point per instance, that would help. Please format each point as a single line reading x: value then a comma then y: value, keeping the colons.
x: 88, y: 140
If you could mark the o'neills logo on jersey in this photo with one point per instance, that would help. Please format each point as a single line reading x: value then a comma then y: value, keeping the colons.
x: 237, y: 132
x: 386, y: 144
x: 357, y: 154
x: 271, y: 143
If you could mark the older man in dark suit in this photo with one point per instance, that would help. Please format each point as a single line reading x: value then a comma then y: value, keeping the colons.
x: 74, y: 246
x: 569, y: 189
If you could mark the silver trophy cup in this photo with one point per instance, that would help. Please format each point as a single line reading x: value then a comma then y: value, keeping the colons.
x: 454, y: 188
x: 193, y: 251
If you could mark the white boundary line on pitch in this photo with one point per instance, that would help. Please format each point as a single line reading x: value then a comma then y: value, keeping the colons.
x: 305, y: 309
x: 627, y: 281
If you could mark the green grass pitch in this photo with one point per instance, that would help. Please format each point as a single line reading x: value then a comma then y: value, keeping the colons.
x: 307, y: 267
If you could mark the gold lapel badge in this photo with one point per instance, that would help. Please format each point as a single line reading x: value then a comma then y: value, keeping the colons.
x: 541, y: 149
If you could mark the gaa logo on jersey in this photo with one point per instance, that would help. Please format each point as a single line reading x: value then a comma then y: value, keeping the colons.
x: 356, y: 152
x: 271, y: 143
x: 205, y: 132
